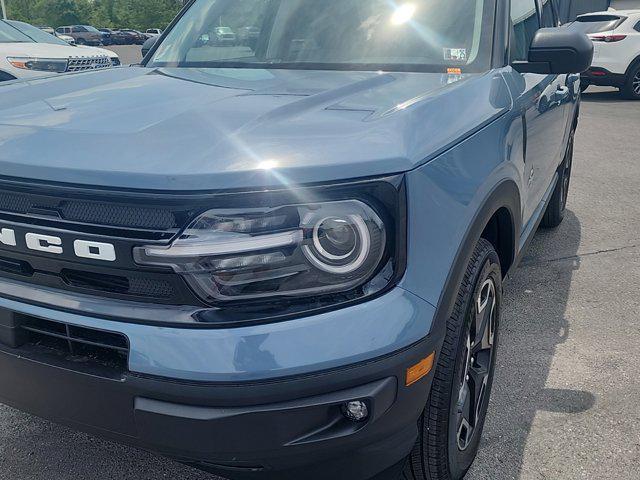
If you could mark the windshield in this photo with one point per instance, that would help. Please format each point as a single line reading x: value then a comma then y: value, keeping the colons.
x: 36, y: 34
x: 91, y: 29
x: 9, y: 34
x: 424, y: 35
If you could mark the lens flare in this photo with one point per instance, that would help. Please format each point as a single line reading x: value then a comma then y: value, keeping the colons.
x: 267, y: 165
x: 403, y: 14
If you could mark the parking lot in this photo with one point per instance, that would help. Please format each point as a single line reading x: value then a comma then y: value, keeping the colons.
x: 565, y: 401
x: 129, y: 54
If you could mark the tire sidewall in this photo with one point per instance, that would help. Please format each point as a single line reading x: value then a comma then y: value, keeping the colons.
x: 628, y: 88
x: 460, y: 461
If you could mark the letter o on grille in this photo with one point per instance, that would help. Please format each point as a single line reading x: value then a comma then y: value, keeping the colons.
x: 94, y: 250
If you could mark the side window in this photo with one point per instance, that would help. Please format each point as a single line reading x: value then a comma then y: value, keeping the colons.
x: 524, y: 16
x: 637, y: 27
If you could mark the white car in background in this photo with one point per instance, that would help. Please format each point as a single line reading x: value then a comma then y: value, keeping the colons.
x: 51, y: 31
x: 616, y: 62
x: 28, y: 52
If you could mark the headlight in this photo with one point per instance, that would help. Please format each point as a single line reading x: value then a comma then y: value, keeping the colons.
x: 58, y: 65
x: 289, y: 251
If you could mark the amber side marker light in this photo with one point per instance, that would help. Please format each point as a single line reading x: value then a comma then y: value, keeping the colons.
x: 420, y: 369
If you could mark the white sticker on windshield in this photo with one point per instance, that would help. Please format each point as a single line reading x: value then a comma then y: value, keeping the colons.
x: 455, y: 54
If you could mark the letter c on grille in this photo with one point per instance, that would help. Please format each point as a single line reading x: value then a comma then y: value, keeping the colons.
x: 94, y: 250
x: 43, y: 243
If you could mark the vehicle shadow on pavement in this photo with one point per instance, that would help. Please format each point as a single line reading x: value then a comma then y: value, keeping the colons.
x: 36, y: 449
x: 608, y: 96
x: 533, y: 325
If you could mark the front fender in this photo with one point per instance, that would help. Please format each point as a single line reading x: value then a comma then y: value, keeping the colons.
x: 450, y: 202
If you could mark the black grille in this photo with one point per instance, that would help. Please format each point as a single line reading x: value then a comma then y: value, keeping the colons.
x: 16, y: 267
x: 147, y: 287
x: 14, y: 203
x: 123, y: 219
x: 79, y: 348
x: 99, y: 213
x: 118, y: 215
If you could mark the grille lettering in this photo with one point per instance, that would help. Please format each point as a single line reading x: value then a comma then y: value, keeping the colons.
x: 52, y: 244
x: 8, y: 237
x: 43, y: 243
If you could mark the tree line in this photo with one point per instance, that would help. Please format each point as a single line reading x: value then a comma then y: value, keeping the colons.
x: 136, y: 14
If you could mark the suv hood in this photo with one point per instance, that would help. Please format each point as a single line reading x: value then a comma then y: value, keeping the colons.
x: 46, y: 50
x: 188, y: 129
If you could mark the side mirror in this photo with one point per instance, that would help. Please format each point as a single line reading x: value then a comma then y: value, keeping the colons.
x: 148, y: 45
x: 557, y: 51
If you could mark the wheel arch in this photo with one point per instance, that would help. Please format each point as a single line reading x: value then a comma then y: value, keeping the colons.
x: 499, y: 219
x: 500, y: 232
x: 634, y: 63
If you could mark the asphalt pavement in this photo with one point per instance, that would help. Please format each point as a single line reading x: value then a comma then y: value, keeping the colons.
x: 129, y: 54
x: 566, y: 395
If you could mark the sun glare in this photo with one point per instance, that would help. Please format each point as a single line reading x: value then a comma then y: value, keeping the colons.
x: 403, y: 14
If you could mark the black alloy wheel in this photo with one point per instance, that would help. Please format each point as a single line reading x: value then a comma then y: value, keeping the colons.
x: 450, y: 428
x: 479, y: 355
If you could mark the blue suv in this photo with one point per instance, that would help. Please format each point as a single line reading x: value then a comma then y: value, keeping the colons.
x: 290, y: 263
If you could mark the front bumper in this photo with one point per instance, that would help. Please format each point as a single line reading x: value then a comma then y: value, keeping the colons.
x: 286, y: 429
x: 603, y: 77
x: 262, y: 401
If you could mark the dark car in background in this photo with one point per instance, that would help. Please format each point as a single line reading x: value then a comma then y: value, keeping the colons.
x: 133, y: 37
x: 82, y: 34
x: 109, y: 37
x: 248, y: 36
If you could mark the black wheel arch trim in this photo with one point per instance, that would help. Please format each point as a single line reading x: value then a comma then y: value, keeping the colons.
x: 506, y: 194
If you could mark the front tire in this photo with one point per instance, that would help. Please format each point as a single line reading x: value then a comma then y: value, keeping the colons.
x: 631, y: 88
x: 450, y: 428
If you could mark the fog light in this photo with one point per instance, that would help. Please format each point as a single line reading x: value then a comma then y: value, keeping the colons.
x: 356, y: 410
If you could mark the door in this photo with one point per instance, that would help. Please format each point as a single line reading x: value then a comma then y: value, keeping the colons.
x: 542, y: 101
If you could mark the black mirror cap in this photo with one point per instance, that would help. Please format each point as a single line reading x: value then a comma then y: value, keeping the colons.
x: 148, y: 45
x: 558, y: 51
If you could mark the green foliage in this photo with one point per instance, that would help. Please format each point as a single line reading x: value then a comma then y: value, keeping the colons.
x: 137, y: 14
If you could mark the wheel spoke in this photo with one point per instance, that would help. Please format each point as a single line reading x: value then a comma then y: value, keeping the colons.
x: 478, y: 354
x: 478, y: 377
x: 483, y: 326
x: 465, y: 412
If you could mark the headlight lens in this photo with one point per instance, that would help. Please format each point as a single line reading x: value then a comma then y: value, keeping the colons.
x: 57, y: 65
x: 288, y: 251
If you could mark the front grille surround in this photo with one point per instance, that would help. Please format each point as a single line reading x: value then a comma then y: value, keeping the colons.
x: 121, y: 219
